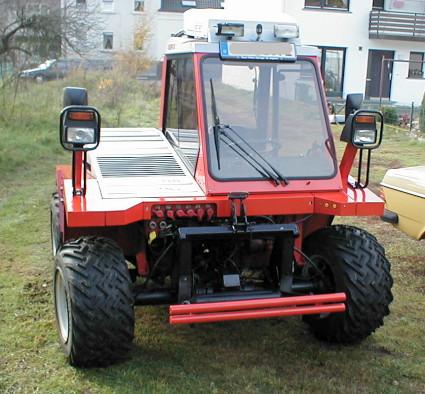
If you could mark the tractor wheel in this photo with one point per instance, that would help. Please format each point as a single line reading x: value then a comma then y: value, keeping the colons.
x: 93, y: 302
x: 55, y: 232
x: 350, y: 260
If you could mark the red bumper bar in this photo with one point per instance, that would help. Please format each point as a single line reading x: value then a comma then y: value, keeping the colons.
x: 257, y: 309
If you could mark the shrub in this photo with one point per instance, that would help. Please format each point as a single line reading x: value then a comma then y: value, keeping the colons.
x: 390, y: 115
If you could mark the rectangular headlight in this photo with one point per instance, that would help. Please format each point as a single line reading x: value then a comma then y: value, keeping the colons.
x: 230, y: 29
x: 286, y: 31
x: 80, y: 135
x: 365, y: 137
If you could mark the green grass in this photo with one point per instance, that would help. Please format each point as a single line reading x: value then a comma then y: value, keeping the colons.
x: 269, y: 356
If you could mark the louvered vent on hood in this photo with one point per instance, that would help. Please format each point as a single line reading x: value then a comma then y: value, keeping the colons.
x: 138, y: 166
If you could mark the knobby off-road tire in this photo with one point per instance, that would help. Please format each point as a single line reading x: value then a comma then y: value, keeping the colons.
x: 357, y: 265
x: 55, y: 232
x: 93, y: 302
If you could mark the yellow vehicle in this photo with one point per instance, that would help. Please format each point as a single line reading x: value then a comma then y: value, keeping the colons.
x: 404, y: 191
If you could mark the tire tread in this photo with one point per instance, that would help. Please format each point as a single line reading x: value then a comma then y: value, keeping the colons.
x: 101, y: 301
x: 363, y: 274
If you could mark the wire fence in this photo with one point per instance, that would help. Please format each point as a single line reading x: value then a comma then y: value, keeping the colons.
x: 411, y: 118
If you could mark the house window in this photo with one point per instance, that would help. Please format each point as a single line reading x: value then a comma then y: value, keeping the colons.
x: 108, y: 41
x: 139, y: 5
x: 181, y: 120
x: 332, y: 65
x: 107, y: 5
x: 331, y: 4
x: 416, y: 70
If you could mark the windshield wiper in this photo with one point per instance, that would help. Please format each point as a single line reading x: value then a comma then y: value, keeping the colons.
x: 248, y: 157
x: 275, y: 170
x: 216, y: 127
x: 242, y: 154
x: 219, y: 132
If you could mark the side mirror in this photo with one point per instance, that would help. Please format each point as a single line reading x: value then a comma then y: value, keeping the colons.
x: 353, y: 103
x: 80, y: 128
x: 364, y: 129
x: 75, y: 96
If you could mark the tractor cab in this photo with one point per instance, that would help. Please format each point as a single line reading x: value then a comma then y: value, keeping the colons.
x: 243, y: 105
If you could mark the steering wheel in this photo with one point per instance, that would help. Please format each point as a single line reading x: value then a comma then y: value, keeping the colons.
x: 261, y: 145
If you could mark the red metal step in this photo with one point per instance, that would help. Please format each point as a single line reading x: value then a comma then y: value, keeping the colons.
x: 257, y: 309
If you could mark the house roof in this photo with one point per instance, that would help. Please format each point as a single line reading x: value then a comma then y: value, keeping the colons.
x: 178, y: 5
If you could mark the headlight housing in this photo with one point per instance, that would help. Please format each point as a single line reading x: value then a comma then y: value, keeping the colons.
x: 365, y: 132
x: 230, y: 29
x: 364, y: 129
x: 79, y: 128
x: 286, y: 31
x: 80, y: 135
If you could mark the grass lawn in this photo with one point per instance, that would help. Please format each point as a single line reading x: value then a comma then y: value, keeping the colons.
x: 265, y: 356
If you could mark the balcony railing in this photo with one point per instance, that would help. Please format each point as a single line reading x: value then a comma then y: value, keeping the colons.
x: 397, y: 25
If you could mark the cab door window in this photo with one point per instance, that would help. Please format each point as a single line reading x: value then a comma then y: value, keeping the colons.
x: 181, y: 120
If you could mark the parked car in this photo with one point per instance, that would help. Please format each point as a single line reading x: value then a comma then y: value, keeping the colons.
x: 50, y: 69
x: 60, y: 68
x: 404, y: 191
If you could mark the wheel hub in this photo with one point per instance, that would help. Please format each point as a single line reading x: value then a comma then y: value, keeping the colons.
x: 61, y: 304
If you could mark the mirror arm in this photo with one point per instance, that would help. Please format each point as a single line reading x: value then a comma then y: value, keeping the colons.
x: 347, y: 162
x: 79, y: 173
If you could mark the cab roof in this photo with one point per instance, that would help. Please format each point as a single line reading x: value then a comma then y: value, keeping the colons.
x: 201, y: 31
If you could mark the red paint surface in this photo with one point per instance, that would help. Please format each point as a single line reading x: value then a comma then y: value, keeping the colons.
x: 78, y: 171
x: 256, y: 314
x: 257, y: 309
x: 142, y: 263
x: 227, y: 306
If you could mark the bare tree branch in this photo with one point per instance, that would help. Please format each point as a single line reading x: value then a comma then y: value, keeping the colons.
x: 44, y: 27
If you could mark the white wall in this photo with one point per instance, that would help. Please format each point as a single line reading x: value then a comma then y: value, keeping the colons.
x: 163, y: 24
x: 317, y: 27
x: 122, y: 21
x: 349, y: 30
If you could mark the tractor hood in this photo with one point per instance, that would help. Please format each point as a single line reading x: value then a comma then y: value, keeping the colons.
x: 140, y: 163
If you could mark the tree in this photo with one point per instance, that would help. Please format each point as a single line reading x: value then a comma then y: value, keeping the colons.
x: 422, y: 116
x: 45, y: 28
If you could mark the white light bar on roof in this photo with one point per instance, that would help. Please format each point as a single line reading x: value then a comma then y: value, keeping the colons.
x: 286, y: 30
x: 257, y: 26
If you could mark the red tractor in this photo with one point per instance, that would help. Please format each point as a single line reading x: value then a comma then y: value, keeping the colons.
x: 225, y: 211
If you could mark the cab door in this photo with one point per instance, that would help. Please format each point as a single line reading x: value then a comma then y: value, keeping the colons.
x: 180, y: 120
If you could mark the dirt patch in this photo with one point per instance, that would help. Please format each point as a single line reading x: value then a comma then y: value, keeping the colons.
x: 416, y: 265
x: 37, y: 291
x: 381, y: 350
x: 395, y: 164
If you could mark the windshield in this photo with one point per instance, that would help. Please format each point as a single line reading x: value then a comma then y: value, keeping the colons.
x: 269, y: 109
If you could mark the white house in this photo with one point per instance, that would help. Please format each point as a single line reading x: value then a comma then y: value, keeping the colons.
x: 120, y: 19
x: 354, y: 37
